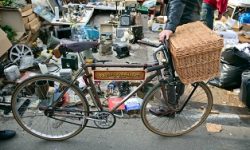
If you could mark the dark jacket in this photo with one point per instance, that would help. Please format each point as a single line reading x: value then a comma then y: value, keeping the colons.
x: 182, y: 11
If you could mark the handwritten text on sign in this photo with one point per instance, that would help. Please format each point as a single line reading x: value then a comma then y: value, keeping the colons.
x: 119, y: 75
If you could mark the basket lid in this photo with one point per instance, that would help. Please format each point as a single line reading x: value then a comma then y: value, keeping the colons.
x: 192, y: 36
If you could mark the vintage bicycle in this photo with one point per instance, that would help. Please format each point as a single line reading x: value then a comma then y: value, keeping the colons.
x: 53, y: 108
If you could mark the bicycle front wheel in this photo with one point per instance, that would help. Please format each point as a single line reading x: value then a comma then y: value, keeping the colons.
x: 32, y: 105
x: 198, y: 99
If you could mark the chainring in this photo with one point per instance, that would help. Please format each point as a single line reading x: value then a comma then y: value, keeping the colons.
x: 104, y: 120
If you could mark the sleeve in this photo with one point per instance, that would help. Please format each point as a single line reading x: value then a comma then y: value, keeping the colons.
x: 175, y: 10
x: 222, y: 6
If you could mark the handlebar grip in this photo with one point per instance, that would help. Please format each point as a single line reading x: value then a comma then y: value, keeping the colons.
x: 149, y: 43
x: 104, y: 60
x: 165, y: 42
x: 158, y: 67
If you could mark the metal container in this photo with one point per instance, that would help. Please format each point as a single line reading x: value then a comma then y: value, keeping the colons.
x: 12, y: 73
x: 245, y: 87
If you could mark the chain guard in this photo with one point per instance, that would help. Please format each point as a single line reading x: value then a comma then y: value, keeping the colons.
x: 101, y: 119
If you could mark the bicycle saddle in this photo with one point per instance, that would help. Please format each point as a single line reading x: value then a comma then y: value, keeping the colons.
x: 74, y: 46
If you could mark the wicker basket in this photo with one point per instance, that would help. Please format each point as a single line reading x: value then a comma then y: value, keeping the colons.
x: 196, y: 52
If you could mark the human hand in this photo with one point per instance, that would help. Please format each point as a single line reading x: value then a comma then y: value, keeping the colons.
x: 219, y: 17
x: 165, y: 34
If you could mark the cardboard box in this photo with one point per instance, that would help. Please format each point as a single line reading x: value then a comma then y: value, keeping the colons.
x: 31, y: 17
x: 27, y: 12
x: 33, y: 22
x: 234, y: 24
x: 13, y: 18
x: 5, y: 43
x: 27, y: 26
x: 131, y: 3
x: 25, y: 20
x: 243, y: 39
x: 25, y: 8
x: 157, y: 27
x: 35, y: 28
x: 246, y: 27
x: 106, y: 28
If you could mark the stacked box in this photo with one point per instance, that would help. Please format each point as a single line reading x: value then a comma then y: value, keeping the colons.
x: 30, y: 20
x: 196, y: 52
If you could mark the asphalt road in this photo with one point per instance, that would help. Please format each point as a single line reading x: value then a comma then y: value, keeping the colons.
x: 130, y: 134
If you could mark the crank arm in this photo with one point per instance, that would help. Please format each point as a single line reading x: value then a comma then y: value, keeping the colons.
x: 69, y: 115
x: 67, y: 121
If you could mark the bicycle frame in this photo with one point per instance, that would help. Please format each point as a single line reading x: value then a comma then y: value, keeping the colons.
x: 148, y: 79
x: 66, y: 103
x: 87, y: 76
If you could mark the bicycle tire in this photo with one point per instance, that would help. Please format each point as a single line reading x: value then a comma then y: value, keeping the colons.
x: 160, y: 124
x: 28, y: 108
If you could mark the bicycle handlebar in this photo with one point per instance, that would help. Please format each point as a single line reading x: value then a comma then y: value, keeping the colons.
x: 150, y: 69
x: 162, y: 46
x: 165, y: 43
x: 155, y: 53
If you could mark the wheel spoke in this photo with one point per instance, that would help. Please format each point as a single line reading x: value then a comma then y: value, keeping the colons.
x: 35, y: 116
x: 185, y: 121
x: 22, y: 48
x: 14, y: 54
x: 17, y: 49
x: 28, y: 52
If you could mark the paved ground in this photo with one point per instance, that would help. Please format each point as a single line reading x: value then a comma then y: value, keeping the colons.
x: 131, y: 134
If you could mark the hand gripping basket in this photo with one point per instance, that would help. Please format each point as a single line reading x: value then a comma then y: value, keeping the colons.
x: 196, y: 52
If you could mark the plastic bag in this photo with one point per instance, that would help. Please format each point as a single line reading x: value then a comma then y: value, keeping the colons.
x: 244, y: 18
x: 26, y: 62
x: 149, y: 3
x: 230, y: 77
x: 44, y: 12
x: 40, y: 3
x: 134, y: 103
x: 80, y: 32
x: 233, y: 56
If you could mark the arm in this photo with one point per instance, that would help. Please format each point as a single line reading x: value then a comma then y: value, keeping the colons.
x: 175, y: 11
x: 222, y: 6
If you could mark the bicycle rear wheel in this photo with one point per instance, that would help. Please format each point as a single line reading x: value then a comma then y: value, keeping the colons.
x: 32, y: 108
x: 193, y: 115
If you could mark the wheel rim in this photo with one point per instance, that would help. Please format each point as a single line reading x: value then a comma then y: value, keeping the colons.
x: 32, y: 116
x: 18, y: 51
x: 195, y: 112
